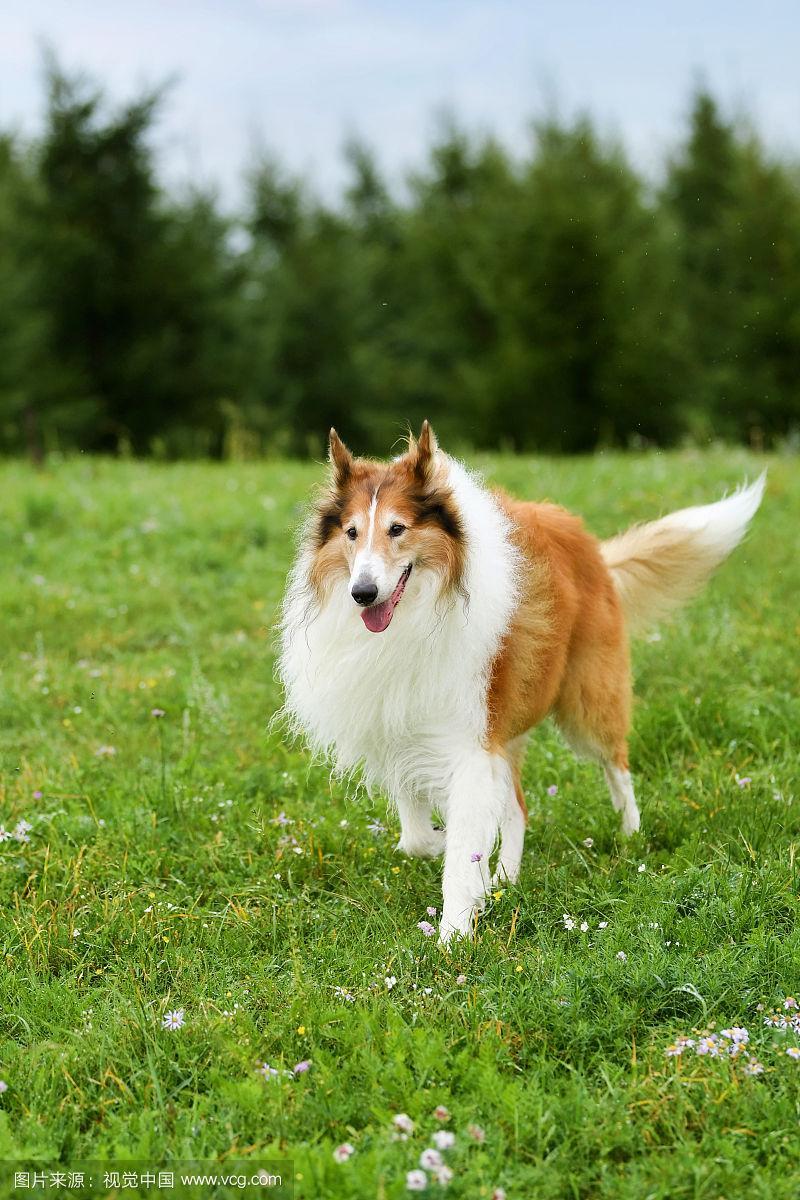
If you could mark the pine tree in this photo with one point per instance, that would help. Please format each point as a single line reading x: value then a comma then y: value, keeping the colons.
x: 739, y: 217
x: 133, y: 287
x: 302, y: 375
x: 595, y: 310
x: 22, y: 329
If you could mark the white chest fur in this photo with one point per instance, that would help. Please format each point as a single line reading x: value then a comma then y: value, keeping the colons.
x: 405, y: 704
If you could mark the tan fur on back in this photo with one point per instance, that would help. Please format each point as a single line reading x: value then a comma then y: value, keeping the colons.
x: 566, y: 650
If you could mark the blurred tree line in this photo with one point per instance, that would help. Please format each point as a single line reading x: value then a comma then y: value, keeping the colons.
x: 554, y: 303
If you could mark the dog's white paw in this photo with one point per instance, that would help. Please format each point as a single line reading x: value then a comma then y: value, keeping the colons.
x: 461, y: 926
x: 630, y: 820
x: 505, y: 875
x: 450, y: 933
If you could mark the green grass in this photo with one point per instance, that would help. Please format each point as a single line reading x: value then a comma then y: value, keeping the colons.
x: 156, y: 877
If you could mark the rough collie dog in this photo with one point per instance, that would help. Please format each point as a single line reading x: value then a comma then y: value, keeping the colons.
x: 430, y: 623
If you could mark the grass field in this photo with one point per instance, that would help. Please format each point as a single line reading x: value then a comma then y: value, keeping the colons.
x: 194, y: 861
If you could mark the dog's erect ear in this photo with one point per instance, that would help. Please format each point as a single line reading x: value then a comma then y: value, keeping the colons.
x: 340, y: 459
x: 425, y: 452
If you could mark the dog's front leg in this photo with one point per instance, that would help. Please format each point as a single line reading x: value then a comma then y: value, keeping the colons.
x: 475, y: 807
x: 418, y: 838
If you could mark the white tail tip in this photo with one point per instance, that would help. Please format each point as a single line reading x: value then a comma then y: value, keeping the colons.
x: 719, y: 527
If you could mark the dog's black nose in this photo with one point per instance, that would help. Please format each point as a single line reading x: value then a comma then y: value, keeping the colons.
x: 364, y: 593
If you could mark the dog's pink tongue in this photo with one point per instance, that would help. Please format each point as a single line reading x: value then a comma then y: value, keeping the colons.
x: 377, y: 617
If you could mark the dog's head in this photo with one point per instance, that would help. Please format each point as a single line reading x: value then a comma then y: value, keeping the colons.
x: 385, y: 530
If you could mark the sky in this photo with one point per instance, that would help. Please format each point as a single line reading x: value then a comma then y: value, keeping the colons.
x: 297, y: 77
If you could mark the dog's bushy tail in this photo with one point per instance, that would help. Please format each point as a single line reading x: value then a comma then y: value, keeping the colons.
x: 659, y: 566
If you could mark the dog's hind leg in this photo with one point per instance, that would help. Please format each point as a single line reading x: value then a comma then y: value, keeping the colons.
x: 514, y: 819
x: 618, y: 776
x: 622, y: 797
x: 593, y: 713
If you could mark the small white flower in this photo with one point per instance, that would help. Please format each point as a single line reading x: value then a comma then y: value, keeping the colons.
x: 622, y: 956
x: 431, y: 1159
x: 268, y: 1072
x: 603, y: 925
x: 477, y: 1133
x: 737, y: 1035
x: 793, y: 1051
x: 343, y: 1152
x: 641, y: 868
x: 444, y: 1175
x: 5, y: 834
x: 403, y: 1122
x: 753, y: 1067
x: 499, y: 1194
x: 416, y: 1181
x: 569, y: 922
x: 444, y: 1139
x: 76, y: 933
x: 441, y: 1113
x: 584, y: 926
x: 173, y: 1019
x: 588, y: 843
x: 390, y: 981
x: 22, y: 831
x: 679, y: 1045
x: 3, y: 1086
x: 461, y: 980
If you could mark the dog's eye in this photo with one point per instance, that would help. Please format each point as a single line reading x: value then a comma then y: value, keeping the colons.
x: 352, y: 533
x: 396, y: 529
